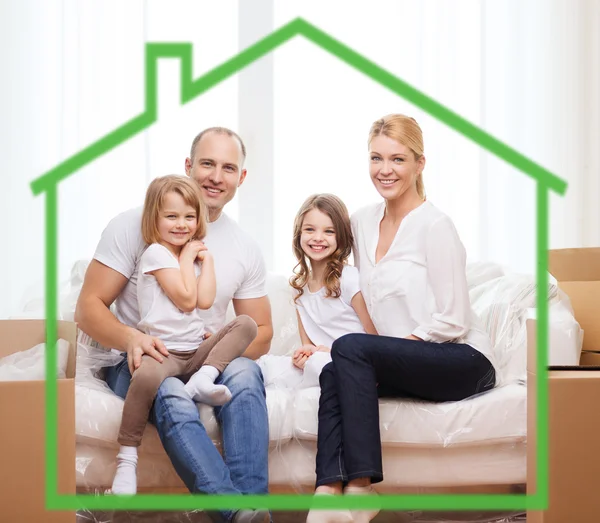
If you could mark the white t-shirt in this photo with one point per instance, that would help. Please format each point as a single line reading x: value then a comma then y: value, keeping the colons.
x: 159, y: 316
x: 239, y: 266
x: 420, y: 286
x: 327, y: 319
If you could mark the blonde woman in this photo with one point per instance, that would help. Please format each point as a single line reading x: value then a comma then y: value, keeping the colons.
x: 413, y: 278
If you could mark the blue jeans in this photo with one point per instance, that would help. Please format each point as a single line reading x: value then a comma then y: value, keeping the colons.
x: 244, y: 425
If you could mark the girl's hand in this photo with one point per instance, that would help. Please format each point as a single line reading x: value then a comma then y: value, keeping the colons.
x: 322, y: 348
x: 306, y: 350
x: 301, y: 362
x: 190, y: 250
x: 302, y: 354
x: 203, y: 254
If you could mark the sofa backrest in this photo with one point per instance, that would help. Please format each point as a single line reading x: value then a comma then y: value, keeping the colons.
x: 500, y: 299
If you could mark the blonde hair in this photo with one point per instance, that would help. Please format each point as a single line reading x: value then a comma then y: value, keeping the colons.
x: 406, y: 131
x: 335, y: 208
x: 155, y: 195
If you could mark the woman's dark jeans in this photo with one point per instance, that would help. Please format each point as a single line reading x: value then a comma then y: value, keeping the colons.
x: 367, y: 367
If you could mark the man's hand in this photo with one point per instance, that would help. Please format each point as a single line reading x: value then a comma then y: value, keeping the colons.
x: 140, y: 344
x: 302, y: 354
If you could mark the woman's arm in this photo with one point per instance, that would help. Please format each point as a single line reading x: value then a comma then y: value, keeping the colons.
x: 207, y: 282
x: 359, y: 305
x: 446, y: 274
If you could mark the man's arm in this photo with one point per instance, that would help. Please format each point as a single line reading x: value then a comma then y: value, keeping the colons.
x: 100, y: 289
x: 259, y: 309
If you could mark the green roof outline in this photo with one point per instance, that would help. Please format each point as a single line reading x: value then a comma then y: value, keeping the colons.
x: 190, y: 89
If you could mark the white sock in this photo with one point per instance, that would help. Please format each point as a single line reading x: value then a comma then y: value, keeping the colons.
x: 125, y: 481
x: 202, y: 388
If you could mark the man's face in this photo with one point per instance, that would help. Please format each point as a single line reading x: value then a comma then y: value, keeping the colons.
x: 217, y: 168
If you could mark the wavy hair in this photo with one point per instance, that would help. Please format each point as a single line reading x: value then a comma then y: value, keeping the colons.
x: 335, y: 208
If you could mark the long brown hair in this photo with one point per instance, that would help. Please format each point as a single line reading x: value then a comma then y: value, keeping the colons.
x: 405, y: 130
x: 155, y: 194
x: 335, y: 208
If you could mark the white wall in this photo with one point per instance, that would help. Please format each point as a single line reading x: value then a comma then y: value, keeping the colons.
x: 527, y: 72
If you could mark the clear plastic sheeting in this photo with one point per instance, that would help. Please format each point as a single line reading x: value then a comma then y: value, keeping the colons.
x: 68, y: 292
x: 475, y: 445
x: 298, y: 517
x: 30, y: 364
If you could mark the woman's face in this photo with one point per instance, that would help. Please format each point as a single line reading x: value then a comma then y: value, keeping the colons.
x: 393, y: 167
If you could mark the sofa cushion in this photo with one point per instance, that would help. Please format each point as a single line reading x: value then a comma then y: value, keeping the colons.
x: 492, y: 417
x: 98, y: 418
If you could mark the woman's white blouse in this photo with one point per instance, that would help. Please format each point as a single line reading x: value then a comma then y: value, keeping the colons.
x: 420, y: 286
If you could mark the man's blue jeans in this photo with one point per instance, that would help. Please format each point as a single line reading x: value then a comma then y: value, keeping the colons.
x: 244, y: 425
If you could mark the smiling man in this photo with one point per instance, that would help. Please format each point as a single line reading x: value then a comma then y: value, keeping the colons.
x: 216, y: 163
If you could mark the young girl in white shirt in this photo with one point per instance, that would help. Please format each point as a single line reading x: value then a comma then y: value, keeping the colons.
x: 176, y: 278
x: 328, y: 300
x: 413, y: 277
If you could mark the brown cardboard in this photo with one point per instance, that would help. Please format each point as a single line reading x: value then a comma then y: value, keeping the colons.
x: 574, y: 481
x: 22, y: 429
x: 590, y: 359
x: 578, y: 274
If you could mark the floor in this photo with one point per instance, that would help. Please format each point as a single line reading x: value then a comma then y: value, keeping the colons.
x: 299, y: 517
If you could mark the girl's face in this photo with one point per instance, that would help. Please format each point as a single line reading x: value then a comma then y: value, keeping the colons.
x: 177, y: 221
x: 317, y: 238
x: 393, y: 167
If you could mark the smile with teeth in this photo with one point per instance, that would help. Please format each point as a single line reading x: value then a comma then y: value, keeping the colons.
x: 318, y: 248
x: 388, y: 182
x: 212, y: 190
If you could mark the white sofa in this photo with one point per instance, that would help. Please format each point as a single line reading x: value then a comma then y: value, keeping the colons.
x: 471, y: 443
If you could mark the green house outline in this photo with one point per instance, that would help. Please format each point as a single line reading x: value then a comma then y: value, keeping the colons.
x: 190, y: 89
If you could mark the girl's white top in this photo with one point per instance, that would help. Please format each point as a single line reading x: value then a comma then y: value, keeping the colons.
x: 178, y: 330
x: 327, y: 319
x: 420, y: 286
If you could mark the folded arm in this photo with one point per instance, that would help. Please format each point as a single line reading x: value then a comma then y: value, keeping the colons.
x: 446, y: 272
x: 207, y: 283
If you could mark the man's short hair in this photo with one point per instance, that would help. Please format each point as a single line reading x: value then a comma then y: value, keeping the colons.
x: 217, y: 130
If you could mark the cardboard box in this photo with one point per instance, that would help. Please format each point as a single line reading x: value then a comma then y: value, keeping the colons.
x: 574, y: 423
x: 578, y: 274
x: 22, y: 429
x: 574, y: 481
x: 590, y: 359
